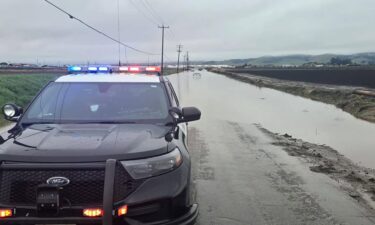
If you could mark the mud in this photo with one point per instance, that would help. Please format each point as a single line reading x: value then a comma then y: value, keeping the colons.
x: 241, y: 175
x: 349, y: 99
x: 358, y: 182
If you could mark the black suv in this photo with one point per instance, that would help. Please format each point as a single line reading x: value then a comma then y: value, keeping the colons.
x: 98, y: 149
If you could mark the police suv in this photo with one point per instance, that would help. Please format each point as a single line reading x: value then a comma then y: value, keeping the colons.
x: 98, y: 146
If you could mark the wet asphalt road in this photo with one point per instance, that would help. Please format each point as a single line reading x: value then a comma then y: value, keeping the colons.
x: 241, y: 178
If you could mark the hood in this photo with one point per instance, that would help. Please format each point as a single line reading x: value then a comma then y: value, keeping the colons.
x: 85, y: 143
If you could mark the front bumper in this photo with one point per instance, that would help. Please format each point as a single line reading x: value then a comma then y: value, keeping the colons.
x: 188, y: 218
x: 153, y: 190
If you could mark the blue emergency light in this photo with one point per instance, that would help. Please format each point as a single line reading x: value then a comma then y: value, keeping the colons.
x: 92, y: 69
x: 74, y: 68
x: 103, y: 69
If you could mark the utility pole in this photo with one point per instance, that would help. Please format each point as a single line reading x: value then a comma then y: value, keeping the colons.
x: 179, y: 50
x: 118, y: 32
x: 184, y: 67
x: 162, y: 48
x: 187, y: 60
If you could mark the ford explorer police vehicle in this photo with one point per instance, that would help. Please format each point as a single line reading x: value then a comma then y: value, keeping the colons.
x: 98, y: 146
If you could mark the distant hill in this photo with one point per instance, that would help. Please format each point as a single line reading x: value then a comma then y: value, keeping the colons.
x: 360, y: 58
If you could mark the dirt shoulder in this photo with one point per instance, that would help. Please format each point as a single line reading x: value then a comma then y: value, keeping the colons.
x: 357, y: 101
x: 358, y: 182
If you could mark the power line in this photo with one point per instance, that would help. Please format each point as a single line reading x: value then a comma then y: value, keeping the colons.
x: 155, y: 18
x: 98, y: 31
x: 152, y: 10
x: 167, y: 57
x: 150, y: 19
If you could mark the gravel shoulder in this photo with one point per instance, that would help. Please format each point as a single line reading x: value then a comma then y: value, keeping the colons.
x: 357, y: 101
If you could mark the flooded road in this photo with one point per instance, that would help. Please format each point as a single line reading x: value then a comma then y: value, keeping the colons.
x: 240, y: 177
x: 222, y: 98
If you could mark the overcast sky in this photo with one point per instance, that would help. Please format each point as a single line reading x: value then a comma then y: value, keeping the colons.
x: 32, y: 30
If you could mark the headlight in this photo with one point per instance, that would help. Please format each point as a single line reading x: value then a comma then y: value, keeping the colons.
x: 150, y: 167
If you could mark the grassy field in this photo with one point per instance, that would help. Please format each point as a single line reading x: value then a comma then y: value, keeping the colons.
x: 20, y: 88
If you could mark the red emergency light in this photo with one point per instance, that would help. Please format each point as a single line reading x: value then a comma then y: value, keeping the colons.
x: 153, y: 69
x: 139, y: 69
x: 134, y: 69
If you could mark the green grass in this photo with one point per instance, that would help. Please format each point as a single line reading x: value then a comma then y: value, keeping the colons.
x: 20, y: 89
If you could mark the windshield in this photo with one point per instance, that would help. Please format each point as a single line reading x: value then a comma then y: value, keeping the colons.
x: 99, y: 102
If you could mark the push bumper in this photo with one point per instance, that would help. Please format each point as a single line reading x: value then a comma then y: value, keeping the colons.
x: 187, y: 218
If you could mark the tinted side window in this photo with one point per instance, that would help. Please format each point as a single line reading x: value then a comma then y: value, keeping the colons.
x: 174, y: 96
x: 170, y: 94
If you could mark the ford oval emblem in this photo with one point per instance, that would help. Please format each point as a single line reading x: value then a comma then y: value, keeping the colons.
x: 58, y: 181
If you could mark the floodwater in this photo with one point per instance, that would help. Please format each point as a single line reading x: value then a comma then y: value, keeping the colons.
x: 219, y: 97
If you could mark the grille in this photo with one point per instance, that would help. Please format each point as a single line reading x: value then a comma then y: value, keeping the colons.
x: 19, y: 186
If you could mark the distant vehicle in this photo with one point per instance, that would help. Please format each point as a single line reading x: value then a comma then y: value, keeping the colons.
x: 197, y: 75
x: 99, y: 148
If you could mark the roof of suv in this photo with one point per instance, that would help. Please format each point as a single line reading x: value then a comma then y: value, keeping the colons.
x: 112, y: 78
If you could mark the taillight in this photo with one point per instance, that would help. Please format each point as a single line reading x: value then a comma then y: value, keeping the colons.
x: 6, y: 213
x: 122, y: 211
x: 92, y: 212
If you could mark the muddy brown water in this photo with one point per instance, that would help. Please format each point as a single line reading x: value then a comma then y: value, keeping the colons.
x: 220, y: 97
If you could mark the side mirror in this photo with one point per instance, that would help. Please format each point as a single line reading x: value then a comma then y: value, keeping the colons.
x: 190, y: 114
x: 176, y: 113
x: 11, y: 112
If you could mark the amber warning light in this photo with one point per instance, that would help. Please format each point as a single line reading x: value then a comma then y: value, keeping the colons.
x: 122, y: 211
x: 4, y: 213
x: 93, y: 212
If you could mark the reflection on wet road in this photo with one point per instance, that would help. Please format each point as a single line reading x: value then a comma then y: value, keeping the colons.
x: 223, y: 98
x: 241, y: 178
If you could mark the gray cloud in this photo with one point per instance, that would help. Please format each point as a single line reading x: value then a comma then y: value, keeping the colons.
x: 209, y: 29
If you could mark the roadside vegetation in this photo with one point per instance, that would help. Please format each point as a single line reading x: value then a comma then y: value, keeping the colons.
x: 20, y: 89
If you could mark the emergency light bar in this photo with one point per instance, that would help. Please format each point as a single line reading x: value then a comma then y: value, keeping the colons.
x: 110, y: 69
